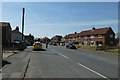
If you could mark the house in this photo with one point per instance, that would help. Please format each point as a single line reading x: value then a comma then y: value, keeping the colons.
x: 5, y: 28
x: 98, y: 37
x: 56, y: 38
x: 29, y: 38
x: 16, y: 35
x: 73, y: 37
x: 94, y: 37
x: 45, y: 39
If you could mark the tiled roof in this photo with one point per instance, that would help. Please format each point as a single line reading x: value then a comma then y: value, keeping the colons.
x: 72, y: 35
x: 56, y: 37
x: 96, y: 31
x: 66, y: 37
x: 89, y: 32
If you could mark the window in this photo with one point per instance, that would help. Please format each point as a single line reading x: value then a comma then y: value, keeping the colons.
x: 92, y: 43
x: 92, y: 36
x: 77, y: 37
x: 85, y: 43
x: 85, y: 37
x: 99, y: 36
x: 111, y: 35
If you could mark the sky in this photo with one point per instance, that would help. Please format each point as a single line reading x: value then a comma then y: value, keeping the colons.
x: 60, y: 18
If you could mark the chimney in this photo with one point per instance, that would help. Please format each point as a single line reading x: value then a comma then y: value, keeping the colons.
x: 17, y: 28
x: 93, y: 28
x: 75, y: 32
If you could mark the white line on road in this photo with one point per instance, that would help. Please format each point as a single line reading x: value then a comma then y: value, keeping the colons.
x: 93, y: 71
x: 63, y: 55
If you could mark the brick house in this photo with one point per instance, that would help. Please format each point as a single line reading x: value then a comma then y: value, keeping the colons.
x: 6, y: 33
x: 98, y: 37
x: 56, y: 38
x: 45, y: 39
x: 94, y: 37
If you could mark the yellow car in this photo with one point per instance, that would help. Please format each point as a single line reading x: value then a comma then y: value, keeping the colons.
x: 37, y: 46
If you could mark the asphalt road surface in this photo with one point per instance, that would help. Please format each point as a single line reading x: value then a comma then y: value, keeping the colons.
x: 59, y: 62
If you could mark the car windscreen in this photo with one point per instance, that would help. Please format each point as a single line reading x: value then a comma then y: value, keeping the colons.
x: 37, y: 43
x: 71, y: 44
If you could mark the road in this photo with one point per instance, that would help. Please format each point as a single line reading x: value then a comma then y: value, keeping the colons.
x: 59, y: 62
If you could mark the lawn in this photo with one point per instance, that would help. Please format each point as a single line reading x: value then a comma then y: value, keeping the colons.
x: 114, y: 50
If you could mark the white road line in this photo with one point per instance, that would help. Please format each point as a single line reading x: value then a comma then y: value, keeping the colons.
x: 93, y: 71
x: 63, y: 55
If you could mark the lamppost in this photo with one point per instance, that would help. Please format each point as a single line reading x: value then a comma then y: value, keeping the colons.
x: 23, y: 23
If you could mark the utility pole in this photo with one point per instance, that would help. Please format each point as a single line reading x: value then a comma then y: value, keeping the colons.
x: 23, y: 23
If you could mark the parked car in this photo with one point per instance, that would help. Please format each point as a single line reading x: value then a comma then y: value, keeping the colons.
x: 77, y: 44
x: 54, y: 44
x: 37, y: 46
x: 70, y: 46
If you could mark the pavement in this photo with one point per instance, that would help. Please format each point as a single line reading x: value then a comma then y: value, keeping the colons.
x: 17, y: 64
x: 8, y: 53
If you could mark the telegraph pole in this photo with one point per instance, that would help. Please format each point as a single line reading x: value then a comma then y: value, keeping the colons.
x: 23, y: 23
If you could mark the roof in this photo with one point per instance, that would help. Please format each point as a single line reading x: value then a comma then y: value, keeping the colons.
x: 16, y: 31
x: 56, y: 37
x: 90, y: 32
x: 5, y: 24
x: 72, y: 35
x: 95, y: 32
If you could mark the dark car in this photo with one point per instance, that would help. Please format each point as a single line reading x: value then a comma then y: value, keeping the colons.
x: 70, y: 46
x: 54, y: 44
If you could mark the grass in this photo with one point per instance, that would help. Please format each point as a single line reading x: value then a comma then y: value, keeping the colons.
x: 89, y: 48
x: 114, y: 50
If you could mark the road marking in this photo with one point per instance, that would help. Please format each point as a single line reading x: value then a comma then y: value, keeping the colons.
x: 63, y: 55
x: 93, y: 71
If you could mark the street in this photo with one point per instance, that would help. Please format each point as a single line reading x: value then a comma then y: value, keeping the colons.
x: 59, y: 62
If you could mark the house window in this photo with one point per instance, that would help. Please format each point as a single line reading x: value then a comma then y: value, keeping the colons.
x: 85, y: 37
x: 85, y: 43
x: 82, y: 43
x: 99, y: 36
x: 111, y: 35
x: 92, y: 36
x: 92, y: 43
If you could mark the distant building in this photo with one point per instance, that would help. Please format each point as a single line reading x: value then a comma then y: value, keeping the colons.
x: 16, y: 35
x: 29, y: 38
x: 93, y: 37
x: 56, y: 38
x: 45, y: 39
x: 6, y: 33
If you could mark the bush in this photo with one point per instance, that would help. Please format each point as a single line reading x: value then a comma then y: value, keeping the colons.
x: 21, y: 46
